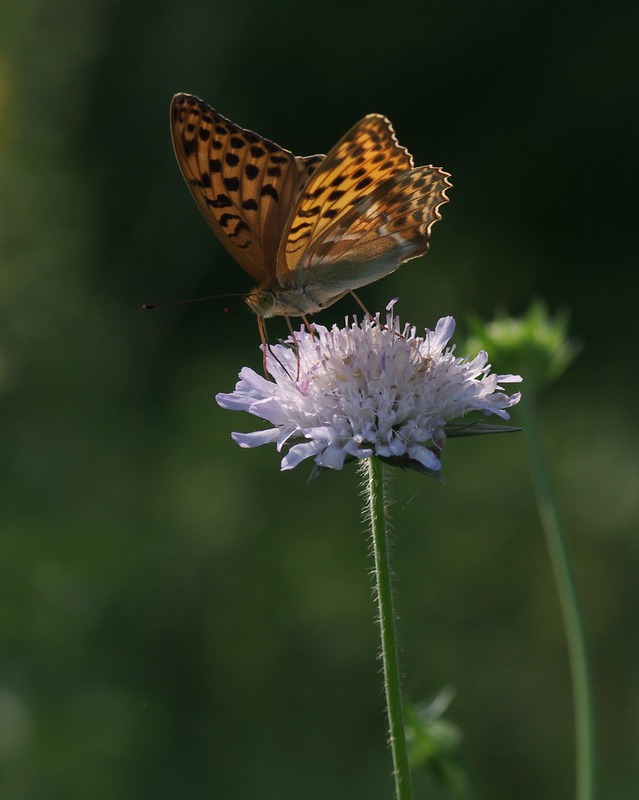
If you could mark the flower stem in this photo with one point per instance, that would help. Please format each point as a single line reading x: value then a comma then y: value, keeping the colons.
x: 570, y: 606
x: 390, y: 658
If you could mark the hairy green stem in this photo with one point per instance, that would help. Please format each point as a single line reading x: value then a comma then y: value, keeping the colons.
x: 387, y: 622
x: 571, y: 610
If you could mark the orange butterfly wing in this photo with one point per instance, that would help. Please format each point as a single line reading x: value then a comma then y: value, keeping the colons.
x: 244, y: 184
x: 362, y: 214
x: 363, y: 158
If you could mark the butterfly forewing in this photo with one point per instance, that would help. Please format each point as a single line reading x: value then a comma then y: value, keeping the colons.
x: 366, y: 156
x: 244, y: 184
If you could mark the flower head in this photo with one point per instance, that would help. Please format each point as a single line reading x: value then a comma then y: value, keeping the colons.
x: 536, y: 343
x: 367, y: 389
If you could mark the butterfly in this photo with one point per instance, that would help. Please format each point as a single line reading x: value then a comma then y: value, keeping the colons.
x: 308, y: 230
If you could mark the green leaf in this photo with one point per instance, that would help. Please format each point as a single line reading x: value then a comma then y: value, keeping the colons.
x: 434, y: 742
x: 404, y: 462
x: 456, y: 429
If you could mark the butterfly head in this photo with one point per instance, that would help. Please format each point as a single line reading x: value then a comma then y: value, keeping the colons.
x: 262, y: 303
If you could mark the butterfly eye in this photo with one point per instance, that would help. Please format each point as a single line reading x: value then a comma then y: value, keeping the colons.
x: 266, y: 301
x: 261, y: 302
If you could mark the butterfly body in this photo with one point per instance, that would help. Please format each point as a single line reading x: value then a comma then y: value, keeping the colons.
x: 308, y: 230
x: 296, y: 301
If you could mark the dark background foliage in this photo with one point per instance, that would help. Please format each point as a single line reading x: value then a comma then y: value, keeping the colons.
x: 177, y: 618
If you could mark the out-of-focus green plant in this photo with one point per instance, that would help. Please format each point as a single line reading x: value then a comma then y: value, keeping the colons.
x: 534, y: 345
x: 434, y: 742
x: 538, y: 347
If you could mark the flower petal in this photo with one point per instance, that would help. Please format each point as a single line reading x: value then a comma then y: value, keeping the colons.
x: 424, y: 456
x: 299, y: 452
x: 234, y: 401
x: 256, y: 438
x: 332, y: 457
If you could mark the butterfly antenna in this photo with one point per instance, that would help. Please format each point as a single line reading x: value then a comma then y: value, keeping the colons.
x: 151, y: 306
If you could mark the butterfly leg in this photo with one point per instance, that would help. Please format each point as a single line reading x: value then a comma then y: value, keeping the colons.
x: 368, y: 313
x: 360, y: 304
x: 309, y: 327
x: 365, y: 310
x: 261, y: 326
x: 297, y: 347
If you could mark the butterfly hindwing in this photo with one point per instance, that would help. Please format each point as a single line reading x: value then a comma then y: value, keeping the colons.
x: 383, y: 230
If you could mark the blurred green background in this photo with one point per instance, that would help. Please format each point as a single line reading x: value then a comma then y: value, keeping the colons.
x: 177, y: 618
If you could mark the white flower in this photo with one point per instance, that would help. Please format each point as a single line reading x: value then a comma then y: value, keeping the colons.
x: 367, y: 389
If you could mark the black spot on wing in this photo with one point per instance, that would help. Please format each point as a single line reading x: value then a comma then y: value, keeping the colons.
x: 239, y: 228
x: 220, y: 201
x: 363, y: 183
x: 268, y: 190
x: 300, y: 226
x: 309, y: 212
x: 226, y: 218
x: 190, y: 147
